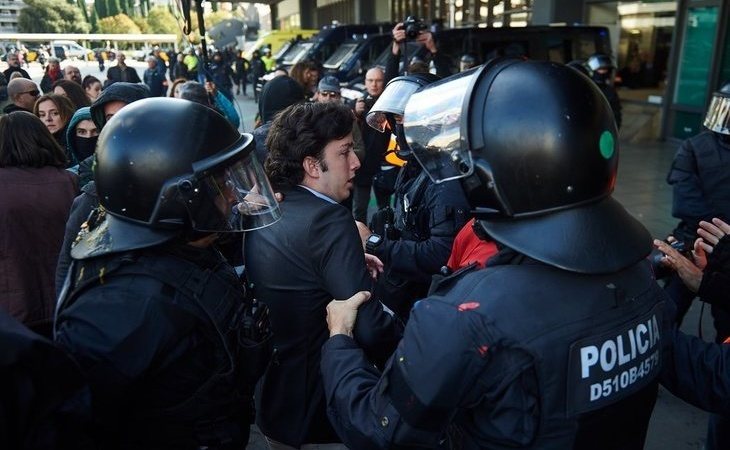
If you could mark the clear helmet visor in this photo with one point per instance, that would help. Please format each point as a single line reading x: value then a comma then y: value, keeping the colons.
x: 718, y: 115
x: 433, y: 127
x: 393, y: 100
x: 233, y: 198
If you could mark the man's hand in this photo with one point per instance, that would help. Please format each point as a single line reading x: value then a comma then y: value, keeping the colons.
x: 360, y: 107
x: 426, y: 38
x: 399, y: 33
x: 374, y: 265
x: 711, y: 233
x: 341, y: 314
x: 690, y: 274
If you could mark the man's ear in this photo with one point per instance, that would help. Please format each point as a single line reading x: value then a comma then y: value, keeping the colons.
x: 311, y: 167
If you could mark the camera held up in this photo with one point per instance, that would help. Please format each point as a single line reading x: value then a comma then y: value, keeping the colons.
x: 413, y: 27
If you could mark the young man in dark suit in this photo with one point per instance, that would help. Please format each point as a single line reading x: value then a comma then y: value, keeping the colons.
x: 317, y: 246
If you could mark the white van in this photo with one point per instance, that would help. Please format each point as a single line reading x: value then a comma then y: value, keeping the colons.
x: 69, y: 50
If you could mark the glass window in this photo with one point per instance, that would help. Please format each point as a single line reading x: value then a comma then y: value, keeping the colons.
x: 641, y: 32
x: 696, y: 56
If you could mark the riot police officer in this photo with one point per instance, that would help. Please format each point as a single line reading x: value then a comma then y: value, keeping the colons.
x: 700, y: 180
x: 414, y: 239
x: 602, y: 69
x: 154, y: 315
x: 557, y: 343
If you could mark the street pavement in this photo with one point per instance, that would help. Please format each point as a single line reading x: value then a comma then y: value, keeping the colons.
x: 642, y: 189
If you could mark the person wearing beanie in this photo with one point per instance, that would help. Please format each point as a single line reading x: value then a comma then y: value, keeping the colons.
x: 114, y: 98
x: 278, y: 94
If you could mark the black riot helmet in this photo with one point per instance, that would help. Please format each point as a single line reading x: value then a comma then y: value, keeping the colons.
x: 166, y: 166
x: 717, y: 119
x: 536, y: 145
x: 390, y: 106
x: 601, y: 68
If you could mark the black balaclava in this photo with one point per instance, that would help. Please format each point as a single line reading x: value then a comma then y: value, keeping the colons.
x: 84, y: 146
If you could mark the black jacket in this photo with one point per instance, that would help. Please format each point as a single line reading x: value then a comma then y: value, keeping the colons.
x: 38, y: 379
x: 427, y: 217
x: 156, y: 333
x: 698, y: 372
x: 80, y: 210
x: 509, y: 356
x: 298, y: 265
x: 116, y: 74
x: 700, y: 180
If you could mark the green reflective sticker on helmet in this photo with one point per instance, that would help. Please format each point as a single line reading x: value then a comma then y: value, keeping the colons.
x: 606, y: 144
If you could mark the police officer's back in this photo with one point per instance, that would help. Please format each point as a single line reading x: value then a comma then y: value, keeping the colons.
x: 557, y: 343
x: 151, y: 311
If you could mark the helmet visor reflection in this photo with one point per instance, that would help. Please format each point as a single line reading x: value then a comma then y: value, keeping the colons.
x: 432, y: 125
x: 234, y: 198
x: 392, y: 100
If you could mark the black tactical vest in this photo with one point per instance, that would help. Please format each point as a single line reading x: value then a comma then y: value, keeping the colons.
x: 218, y: 413
x: 577, y: 357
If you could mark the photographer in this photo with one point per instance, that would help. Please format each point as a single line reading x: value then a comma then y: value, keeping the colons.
x: 414, y: 30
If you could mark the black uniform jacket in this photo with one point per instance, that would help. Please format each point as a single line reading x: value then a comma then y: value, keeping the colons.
x: 698, y: 372
x: 298, y: 265
x: 512, y: 356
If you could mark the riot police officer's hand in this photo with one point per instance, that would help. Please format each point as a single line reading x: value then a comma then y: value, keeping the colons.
x: 374, y: 265
x: 364, y: 232
x: 711, y: 233
x: 341, y: 314
x: 689, y: 271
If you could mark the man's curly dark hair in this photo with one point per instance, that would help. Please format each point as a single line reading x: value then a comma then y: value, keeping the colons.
x: 300, y: 131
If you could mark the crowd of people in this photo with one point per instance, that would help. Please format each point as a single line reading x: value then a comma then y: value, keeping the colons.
x: 168, y: 289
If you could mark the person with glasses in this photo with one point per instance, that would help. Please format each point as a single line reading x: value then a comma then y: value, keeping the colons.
x: 22, y: 94
x: 328, y: 90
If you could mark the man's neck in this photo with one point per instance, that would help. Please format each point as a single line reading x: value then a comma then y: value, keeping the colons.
x: 310, y: 187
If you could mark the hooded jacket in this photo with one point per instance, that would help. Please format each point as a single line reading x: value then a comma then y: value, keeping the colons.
x: 120, y: 91
x: 278, y: 94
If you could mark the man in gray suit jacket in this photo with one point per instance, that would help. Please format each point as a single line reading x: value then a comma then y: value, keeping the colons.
x: 297, y: 265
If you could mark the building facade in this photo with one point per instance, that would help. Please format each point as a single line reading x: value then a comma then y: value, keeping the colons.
x: 9, y: 15
x: 670, y: 54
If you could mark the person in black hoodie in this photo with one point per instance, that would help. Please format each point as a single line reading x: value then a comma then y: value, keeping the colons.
x: 109, y: 102
x: 278, y: 94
